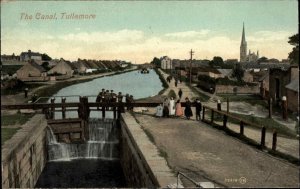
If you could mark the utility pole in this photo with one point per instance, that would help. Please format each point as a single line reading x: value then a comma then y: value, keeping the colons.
x: 191, y: 52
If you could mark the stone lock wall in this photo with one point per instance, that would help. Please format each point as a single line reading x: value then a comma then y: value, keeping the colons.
x: 142, y: 165
x: 24, y: 156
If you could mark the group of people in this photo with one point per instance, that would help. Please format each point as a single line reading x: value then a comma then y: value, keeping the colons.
x: 169, y: 109
x: 110, y: 96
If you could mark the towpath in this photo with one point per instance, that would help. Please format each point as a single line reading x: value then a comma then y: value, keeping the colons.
x: 209, y: 155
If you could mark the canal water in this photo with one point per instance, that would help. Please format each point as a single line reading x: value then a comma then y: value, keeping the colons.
x: 132, y: 83
x: 94, y: 163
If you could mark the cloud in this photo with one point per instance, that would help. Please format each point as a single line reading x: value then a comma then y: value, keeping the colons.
x: 188, y: 34
x: 99, y: 37
x: 136, y: 46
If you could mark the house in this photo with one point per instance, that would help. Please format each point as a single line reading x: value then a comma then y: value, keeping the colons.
x: 166, y: 63
x: 264, y: 85
x: 25, y: 56
x: 12, y: 57
x: 62, y: 70
x: 279, y: 79
x: 292, y: 94
x: 211, y: 72
x: 31, y: 71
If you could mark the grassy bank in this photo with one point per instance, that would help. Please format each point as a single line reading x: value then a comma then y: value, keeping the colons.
x: 202, y: 97
x: 7, y: 133
x: 251, y: 99
x: 165, y: 85
x: 15, y: 119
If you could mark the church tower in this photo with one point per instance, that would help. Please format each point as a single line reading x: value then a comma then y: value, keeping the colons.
x: 243, y: 47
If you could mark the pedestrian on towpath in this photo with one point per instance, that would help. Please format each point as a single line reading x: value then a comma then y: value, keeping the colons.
x: 178, y: 111
x: 198, y: 106
x: 172, y: 107
x: 166, y: 108
x: 188, y: 110
x: 159, y: 110
x: 180, y: 93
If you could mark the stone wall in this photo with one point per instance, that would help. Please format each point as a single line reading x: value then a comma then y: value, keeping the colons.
x: 229, y: 89
x: 24, y: 155
x: 142, y: 165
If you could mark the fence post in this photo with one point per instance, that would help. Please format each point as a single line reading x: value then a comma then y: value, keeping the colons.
x: 52, y: 114
x: 284, y: 108
x: 63, y: 108
x: 270, y: 107
x: 224, y: 121
x: 241, y: 128
x: 86, y: 108
x: 274, y: 142
x: 103, y: 111
x: 219, y: 105
x: 203, y: 114
x: 227, y: 105
x: 212, y: 116
x: 263, y: 136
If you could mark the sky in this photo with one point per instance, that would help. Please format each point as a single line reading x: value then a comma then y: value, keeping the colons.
x: 138, y: 31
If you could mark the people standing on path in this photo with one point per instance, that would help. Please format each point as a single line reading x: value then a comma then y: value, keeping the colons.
x: 166, y: 108
x: 172, y: 107
x: 198, y: 106
x: 176, y: 81
x: 159, y: 110
x: 131, y: 100
x: 178, y: 111
x: 180, y: 93
x: 188, y: 111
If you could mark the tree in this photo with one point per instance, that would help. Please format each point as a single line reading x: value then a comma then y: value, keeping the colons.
x: 263, y: 59
x: 46, y: 57
x: 238, y: 72
x: 156, y: 61
x: 45, y: 65
x: 217, y: 61
x: 294, y: 55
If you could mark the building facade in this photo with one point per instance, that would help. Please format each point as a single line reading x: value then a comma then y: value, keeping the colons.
x: 166, y: 63
x: 25, y: 56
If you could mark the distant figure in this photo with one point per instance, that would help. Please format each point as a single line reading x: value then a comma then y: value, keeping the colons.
x: 188, y: 111
x: 120, y: 97
x: 159, y: 110
x: 26, y: 92
x: 180, y: 93
x: 166, y: 108
x: 131, y: 100
x: 178, y: 111
x: 127, y: 100
x: 34, y: 98
x: 172, y: 107
x: 176, y: 81
x: 198, y: 109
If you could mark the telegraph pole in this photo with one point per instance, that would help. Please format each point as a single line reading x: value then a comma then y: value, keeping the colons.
x: 191, y: 52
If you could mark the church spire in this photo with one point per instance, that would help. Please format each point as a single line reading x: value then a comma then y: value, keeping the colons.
x: 243, y: 36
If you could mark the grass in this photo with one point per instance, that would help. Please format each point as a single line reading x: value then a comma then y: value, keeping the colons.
x: 172, y: 94
x: 258, y: 122
x: 15, y: 119
x: 7, y: 133
x: 150, y: 136
x: 251, y: 99
x: 18, y: 87
x: 201, y: 96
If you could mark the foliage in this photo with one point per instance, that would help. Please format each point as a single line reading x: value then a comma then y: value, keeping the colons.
x: 10, y: 69
x: 156, y: 61
x: 294, y: 55
x: 238, y: 72
x: 46, y: 57
x: 45, y: 65
x: 216, y: 62
x: 262, y: 59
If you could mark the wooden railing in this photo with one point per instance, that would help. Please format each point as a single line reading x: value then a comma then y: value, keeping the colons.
x: 242, y: 123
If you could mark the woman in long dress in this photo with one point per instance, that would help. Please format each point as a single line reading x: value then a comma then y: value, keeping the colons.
x: 188, y: 111
x: 159, y: 110
x: 179, y: 111
x: 172, y: 107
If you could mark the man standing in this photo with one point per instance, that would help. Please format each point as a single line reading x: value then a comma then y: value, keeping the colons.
x: 198, y: 106
x: 180, y: 93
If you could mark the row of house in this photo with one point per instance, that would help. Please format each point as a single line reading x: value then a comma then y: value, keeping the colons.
x: 62, y: 69
x: 24, y: 56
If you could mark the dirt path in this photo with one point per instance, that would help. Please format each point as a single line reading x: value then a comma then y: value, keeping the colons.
x: 207, y: 154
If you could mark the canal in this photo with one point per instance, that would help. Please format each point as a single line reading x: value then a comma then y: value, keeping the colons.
x: 96, y: 162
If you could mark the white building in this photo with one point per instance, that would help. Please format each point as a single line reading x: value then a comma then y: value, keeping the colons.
x: 166, y: 63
